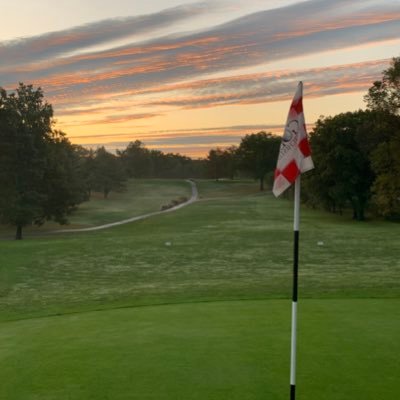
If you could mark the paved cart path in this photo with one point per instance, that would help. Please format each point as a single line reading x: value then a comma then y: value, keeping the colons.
x: 192, y: 199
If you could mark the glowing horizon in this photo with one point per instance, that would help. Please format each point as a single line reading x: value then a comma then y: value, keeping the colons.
x: 199, y: 74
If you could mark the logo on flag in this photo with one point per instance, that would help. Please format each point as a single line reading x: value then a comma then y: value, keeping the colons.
x: 294, y: 154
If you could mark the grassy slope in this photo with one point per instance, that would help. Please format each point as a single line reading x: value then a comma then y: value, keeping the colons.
x: 233, y: 244
x: 140, y: 197
x: 228, y: 247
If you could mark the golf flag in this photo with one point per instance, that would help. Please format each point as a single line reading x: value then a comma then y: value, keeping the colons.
x: 294, y: 154
x: 294, y: 158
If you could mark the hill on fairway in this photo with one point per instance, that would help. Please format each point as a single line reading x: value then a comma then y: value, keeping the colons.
x: 189, y: 341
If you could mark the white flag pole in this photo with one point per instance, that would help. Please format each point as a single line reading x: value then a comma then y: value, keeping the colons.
x: 296, y: 225
x: 294, y: 158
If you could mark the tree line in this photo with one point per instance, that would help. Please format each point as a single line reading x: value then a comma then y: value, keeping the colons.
x: 45, y: 177
x: 356, y: 155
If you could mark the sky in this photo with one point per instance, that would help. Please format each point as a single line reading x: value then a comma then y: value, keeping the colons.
x: 185, y: 76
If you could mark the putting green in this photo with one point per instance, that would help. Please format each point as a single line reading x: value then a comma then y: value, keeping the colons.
x: 348, y: 349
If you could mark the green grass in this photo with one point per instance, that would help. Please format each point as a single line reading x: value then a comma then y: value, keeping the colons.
x: 140, y: 197
x: 223, y: 248
x: 227, y: 350
x: 234, y: 244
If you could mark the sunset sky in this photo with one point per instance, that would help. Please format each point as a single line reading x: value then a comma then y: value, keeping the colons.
x: 184, y: 76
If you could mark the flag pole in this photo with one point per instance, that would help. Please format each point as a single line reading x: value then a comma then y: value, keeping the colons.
x: 296, y: 224
x: 294, y: 158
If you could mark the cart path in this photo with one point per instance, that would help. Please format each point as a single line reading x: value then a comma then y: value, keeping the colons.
x: 194, y: 197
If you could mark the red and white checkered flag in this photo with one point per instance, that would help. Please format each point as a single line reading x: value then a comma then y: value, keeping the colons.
x: 294, y: 154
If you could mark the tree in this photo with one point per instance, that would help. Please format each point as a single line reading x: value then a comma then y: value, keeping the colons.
x: 140, y: 162
x: 215, y: 163
x: 386, y: 187
x: 222, y: 163
x: 258, y: 153
x: 86, y: 168
x: 343, y: 174
x: 109, y: 174
x: 136, y: 160
x: 384, y: 95
x: 168, y: 165
x: 65, y: 173
x: 384, y: 98
x: 230, y: 159
x: 32, y: 171
x: 385, y: 163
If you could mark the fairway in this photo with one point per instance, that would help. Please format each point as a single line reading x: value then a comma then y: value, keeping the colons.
x: 195, y: 304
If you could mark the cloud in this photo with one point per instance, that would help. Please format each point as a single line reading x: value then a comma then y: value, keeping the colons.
x: 266, y: 36
x: 178, y: 134
x: 271, y: 86
x: 246, y: 89
x: 53, y: 44
x: 113, y: 119
x: 90, y: 87
x: 192, y: 142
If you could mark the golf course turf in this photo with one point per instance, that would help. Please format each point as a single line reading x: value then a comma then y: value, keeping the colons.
x: 195, y: 304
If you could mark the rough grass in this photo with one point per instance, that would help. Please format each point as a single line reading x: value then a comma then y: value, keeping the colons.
x: 234, y: 244
x: 139, y: 197
x: 229, y: 247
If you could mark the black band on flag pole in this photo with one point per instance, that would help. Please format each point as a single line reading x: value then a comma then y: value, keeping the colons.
x: 294, y: 300
x: 296, y: 229
x: 295, y: 265
x: 292, y: 392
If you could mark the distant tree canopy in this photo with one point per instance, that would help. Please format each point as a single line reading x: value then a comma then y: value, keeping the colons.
x: 140, y: 162
x: 384, y: 95
x: 385, y: 163
x: 38, y: 165
x: 107, y: 172
x: 257, y: 154
x: 342, y: 174
x: 356, y: 154
x: 136, y: 160
x: 255, y: 157
x: 222, y: 163
x: 356, y: 163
